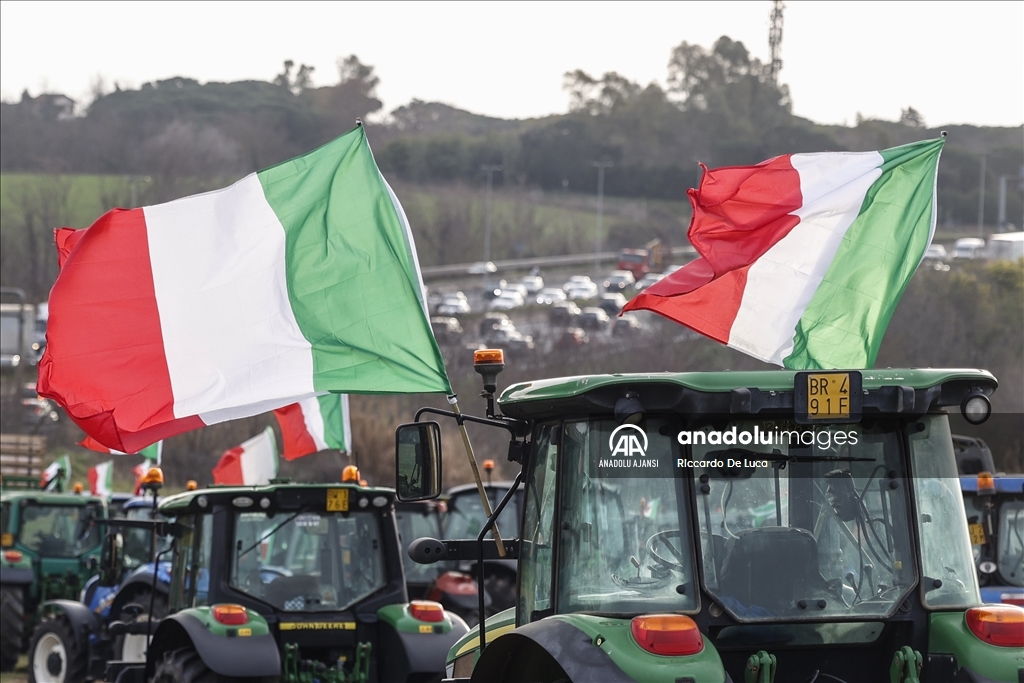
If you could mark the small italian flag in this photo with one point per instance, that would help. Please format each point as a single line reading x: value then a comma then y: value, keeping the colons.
x: 101, y: 479
x: 152, y: 452
x: 298, y: 280
x: 316, y: 424
x: 251, y: 464
x: 804, y: 257
x: 56, y: 474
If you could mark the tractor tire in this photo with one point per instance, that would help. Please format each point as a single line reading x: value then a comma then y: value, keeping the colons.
x: 12, y: 625
x: 183, y: 666
x: 133, y: 647
x: 55, y: 655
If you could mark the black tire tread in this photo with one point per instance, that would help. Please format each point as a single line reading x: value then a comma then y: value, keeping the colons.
x: 12, y: 625
x: 183, y: 666
x: 78, y: 654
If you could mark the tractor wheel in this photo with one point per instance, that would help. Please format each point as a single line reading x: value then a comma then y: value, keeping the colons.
x: 183, y: 666
x: 132, y: 648
x: 55, y: 655
x: 12, y: 625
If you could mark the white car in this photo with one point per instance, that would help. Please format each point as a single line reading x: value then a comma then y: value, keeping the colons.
x: 550, y: 295
x: 533, y: 284
x: 577, y: 281
x: 483, y: 268
x: 969, y: 247
x: 507, y: 300
x: 648, y: 280
x: 581, y: 291
x: 453, y: 305
x: 671, y: 269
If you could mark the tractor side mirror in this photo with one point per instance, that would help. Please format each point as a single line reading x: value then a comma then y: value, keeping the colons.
x: 418, y: 461
x: 112, y: 559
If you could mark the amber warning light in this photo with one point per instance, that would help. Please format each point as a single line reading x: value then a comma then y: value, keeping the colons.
x: 488, y: 357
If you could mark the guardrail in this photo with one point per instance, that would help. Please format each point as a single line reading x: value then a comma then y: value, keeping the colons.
x: 435, y: 272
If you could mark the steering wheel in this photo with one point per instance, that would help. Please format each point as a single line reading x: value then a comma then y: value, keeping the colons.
x: 663, y: 538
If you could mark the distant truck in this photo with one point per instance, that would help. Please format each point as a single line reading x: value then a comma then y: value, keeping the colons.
x: 650, y: 259
x: 17, y: 333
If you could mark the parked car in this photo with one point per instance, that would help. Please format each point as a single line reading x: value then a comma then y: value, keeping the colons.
x: 671, y: 269
x: 511, y: 339
x: 507, y: 301
x: 594, y: 318
x: 969, y: 248
x: 550, y: 295
x: 493, y: 320
x: 517, y: 287
x: 648, y: 280
x: 577, y: 281
x: 454, y: 304
x: 533, y: 283
x: 564, y: 313
x: 612, y: 303
x: 619, y: 281
x: 483, y: 268
x: 493, y: 288
x: 572, y: 337
x: 626, y: 324
x: 446, y: 330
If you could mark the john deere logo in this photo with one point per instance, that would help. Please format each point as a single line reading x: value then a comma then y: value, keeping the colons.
x: 628, y: 440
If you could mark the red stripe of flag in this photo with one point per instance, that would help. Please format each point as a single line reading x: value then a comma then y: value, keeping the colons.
x: 94, y: 329
x: 297, y: 439
x: 229, y: 469
x: 739, y: 213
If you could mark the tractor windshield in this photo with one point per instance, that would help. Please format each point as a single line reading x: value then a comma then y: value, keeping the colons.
x: 1011, y: 541
x: 799, y: 522
x: 60, y: 530
x: 466, y: 513
x: 622, y: 507
x: 308, y: 561
x: 417, y: 521
x: 138, y: 543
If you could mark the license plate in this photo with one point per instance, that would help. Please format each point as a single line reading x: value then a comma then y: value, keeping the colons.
x: 337, y: 500
x: 827, y: 396
x: 977, y: 534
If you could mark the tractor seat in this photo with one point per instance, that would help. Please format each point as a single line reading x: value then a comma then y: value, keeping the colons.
x: 771, y: 567
x: 294, y: 593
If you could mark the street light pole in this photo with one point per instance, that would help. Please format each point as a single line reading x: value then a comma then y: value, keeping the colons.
x: 489, y: 169
x: 601, y: 165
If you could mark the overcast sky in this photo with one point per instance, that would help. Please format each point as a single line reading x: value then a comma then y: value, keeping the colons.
x: 954, y: 62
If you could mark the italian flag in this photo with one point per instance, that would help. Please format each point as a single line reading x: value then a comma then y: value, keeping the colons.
x: 101, y: 479
x: 152, y: 452
x: 251, y: 464
x: 295, y: 281
x: 804, y: 257
x: 315, y: 424
x: 56, y: 475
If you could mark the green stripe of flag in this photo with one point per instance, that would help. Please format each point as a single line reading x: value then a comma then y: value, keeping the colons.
x: 843, y: 325
x: 353, y: 281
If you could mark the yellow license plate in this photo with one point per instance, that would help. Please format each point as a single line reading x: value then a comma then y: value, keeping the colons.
x: 828, y: 395
x: 977, y: 534
x: 337, y: 500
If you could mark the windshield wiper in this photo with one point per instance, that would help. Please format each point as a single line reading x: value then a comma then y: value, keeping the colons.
x: 266, y: 536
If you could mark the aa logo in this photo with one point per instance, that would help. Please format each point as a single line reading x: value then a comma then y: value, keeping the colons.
x: 626, y: 441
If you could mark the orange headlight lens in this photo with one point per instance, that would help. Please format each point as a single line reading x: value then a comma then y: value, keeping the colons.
x: 230, y: 615
x: 1001, y: 625
x: 667, y: 634
x: 426, y: 610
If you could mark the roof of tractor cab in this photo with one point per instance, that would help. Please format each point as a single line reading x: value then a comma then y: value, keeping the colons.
x: 50, y: 498
x: 727, y: 392
x: 285, y: 495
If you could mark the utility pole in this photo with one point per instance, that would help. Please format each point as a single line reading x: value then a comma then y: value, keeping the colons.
x: 489, y: 169
x: 981, y: 197
x: 601, y: 165
x: 775, y: 40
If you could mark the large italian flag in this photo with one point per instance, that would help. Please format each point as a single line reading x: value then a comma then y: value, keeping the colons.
x: 295, y: 281
x: 152, y: 452
x: 804, y: 257
x: 314, y: 425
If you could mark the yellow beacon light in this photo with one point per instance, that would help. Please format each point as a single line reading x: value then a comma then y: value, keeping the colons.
x: 191, y: 485
x: 153, y: 479
x: 350, y: 475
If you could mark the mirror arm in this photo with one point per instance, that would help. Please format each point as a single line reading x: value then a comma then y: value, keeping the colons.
x: 480, y: 548
x: 503, y: 423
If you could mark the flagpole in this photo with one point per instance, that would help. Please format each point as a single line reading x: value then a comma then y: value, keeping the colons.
x: 454, y: 401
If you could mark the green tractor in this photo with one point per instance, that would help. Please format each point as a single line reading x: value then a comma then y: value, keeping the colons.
x: 51, y: 544
x: 283, y: 582
x: 731, y: 526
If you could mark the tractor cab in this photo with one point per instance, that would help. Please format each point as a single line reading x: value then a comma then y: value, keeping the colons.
x: 730, y: 526
x: 294, y: 581
x: 50, y: 542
